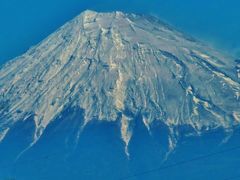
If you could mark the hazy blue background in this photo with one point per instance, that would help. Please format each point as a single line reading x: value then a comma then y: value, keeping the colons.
x: 25, y: 23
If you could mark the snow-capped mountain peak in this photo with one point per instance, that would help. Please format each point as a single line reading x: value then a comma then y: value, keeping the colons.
x: 115, y: 67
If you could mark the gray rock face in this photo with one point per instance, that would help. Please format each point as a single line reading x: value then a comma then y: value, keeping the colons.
x: 116, y: 66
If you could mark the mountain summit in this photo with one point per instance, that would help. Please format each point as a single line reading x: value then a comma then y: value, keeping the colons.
x: 123, y: 68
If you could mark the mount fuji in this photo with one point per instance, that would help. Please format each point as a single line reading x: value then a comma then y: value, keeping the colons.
x: 107, y: 89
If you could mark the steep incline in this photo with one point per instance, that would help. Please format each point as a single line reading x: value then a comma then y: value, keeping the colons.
x: 117, y: 66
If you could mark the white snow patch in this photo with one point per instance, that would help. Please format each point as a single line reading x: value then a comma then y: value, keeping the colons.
x: 3, y: 134
x: 126, y: 132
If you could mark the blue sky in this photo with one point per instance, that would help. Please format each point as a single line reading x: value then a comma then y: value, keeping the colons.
x: 25, y: 23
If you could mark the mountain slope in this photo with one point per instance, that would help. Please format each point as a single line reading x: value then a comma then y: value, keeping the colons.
x: 116, y: 67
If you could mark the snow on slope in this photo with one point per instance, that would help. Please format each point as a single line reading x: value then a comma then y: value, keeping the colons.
x: 116, y: 66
